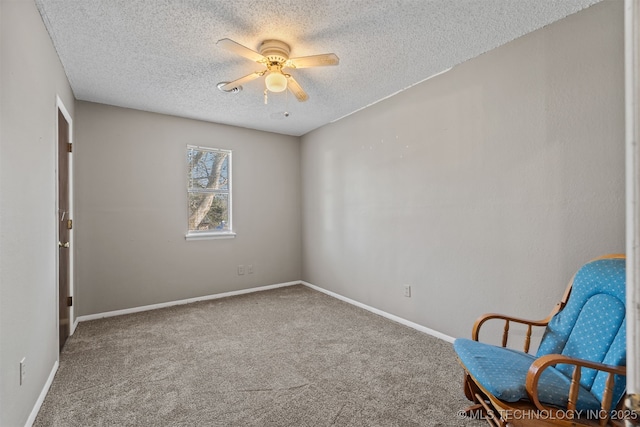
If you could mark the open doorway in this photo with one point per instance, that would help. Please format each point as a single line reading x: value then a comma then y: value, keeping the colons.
x: 64, y: 224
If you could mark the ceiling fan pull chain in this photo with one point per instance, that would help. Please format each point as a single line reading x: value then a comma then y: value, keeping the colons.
x: 265, y: 97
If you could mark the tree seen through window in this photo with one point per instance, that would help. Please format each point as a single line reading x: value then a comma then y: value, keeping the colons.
x: 209, y: 177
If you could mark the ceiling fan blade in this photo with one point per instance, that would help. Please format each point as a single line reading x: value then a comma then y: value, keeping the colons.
x: 239, y: 49
x: 242, y: 80
x: 296, y: 89
x: 313, y: 61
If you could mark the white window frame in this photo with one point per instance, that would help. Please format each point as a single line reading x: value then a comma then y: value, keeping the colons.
x: 210, y: 234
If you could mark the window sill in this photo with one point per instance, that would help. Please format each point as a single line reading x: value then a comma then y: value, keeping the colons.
x: 210, y: 236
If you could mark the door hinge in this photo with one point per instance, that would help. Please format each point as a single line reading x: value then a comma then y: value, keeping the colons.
x: 70, y: 147
x: 69, y: 224
x: 69, y: 301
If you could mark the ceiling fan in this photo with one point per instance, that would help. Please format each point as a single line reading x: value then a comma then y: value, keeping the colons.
x: 274, y: 56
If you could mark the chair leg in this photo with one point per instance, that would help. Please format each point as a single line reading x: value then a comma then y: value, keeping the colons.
x: 476, y: 412
x: 491, y: 417
x: 480, y: 409
x: 470, y: 388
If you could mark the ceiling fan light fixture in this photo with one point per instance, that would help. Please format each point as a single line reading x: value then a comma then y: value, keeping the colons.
x: 275, y: 82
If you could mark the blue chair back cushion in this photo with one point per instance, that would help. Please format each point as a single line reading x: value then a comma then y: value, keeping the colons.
x: 591, y: 326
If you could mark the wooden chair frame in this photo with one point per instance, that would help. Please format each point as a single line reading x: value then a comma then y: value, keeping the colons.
x: 532, y: 412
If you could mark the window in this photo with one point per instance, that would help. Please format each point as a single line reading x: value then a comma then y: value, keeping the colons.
x: 209, y: 192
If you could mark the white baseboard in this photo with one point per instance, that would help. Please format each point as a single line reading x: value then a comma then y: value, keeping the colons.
x: 43, y: 394
x: 377, y: 311
x: 181, y: 302
x: 383, y: 313
x: 74, y: 325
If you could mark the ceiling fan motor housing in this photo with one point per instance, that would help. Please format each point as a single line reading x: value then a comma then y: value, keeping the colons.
x: 275, y: 51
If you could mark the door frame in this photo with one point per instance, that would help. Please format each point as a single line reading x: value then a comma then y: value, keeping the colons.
x: 72, y: 318
x: 632, y: 158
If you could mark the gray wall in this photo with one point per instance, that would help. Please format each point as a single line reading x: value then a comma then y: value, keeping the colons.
x: 131, y: 210
x: 483, y: 188
x: 30, y: 78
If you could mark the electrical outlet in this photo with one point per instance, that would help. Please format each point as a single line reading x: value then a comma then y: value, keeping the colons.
x: 240, y: 270
x: 23, y: 370
x: 250, y: 268
x: 407, y: 291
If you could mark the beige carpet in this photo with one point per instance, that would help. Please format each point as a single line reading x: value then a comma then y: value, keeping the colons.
x: 286, y: 357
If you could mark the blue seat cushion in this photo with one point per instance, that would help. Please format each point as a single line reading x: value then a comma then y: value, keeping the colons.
x: 503, y: 372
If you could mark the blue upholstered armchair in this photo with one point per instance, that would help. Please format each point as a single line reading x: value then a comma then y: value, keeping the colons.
x: 577, y: 375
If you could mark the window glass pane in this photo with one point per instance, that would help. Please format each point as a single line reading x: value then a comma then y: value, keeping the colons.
x: 208, y: 212
x: 209, y: 190
x: 208, y: 169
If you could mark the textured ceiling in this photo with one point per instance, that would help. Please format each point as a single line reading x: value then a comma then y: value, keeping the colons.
x: 161, y: 55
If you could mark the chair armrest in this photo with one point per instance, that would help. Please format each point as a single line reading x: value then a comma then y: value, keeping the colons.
x: 482, y: 319
x: 475, y: 332
x: 537, y: 367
